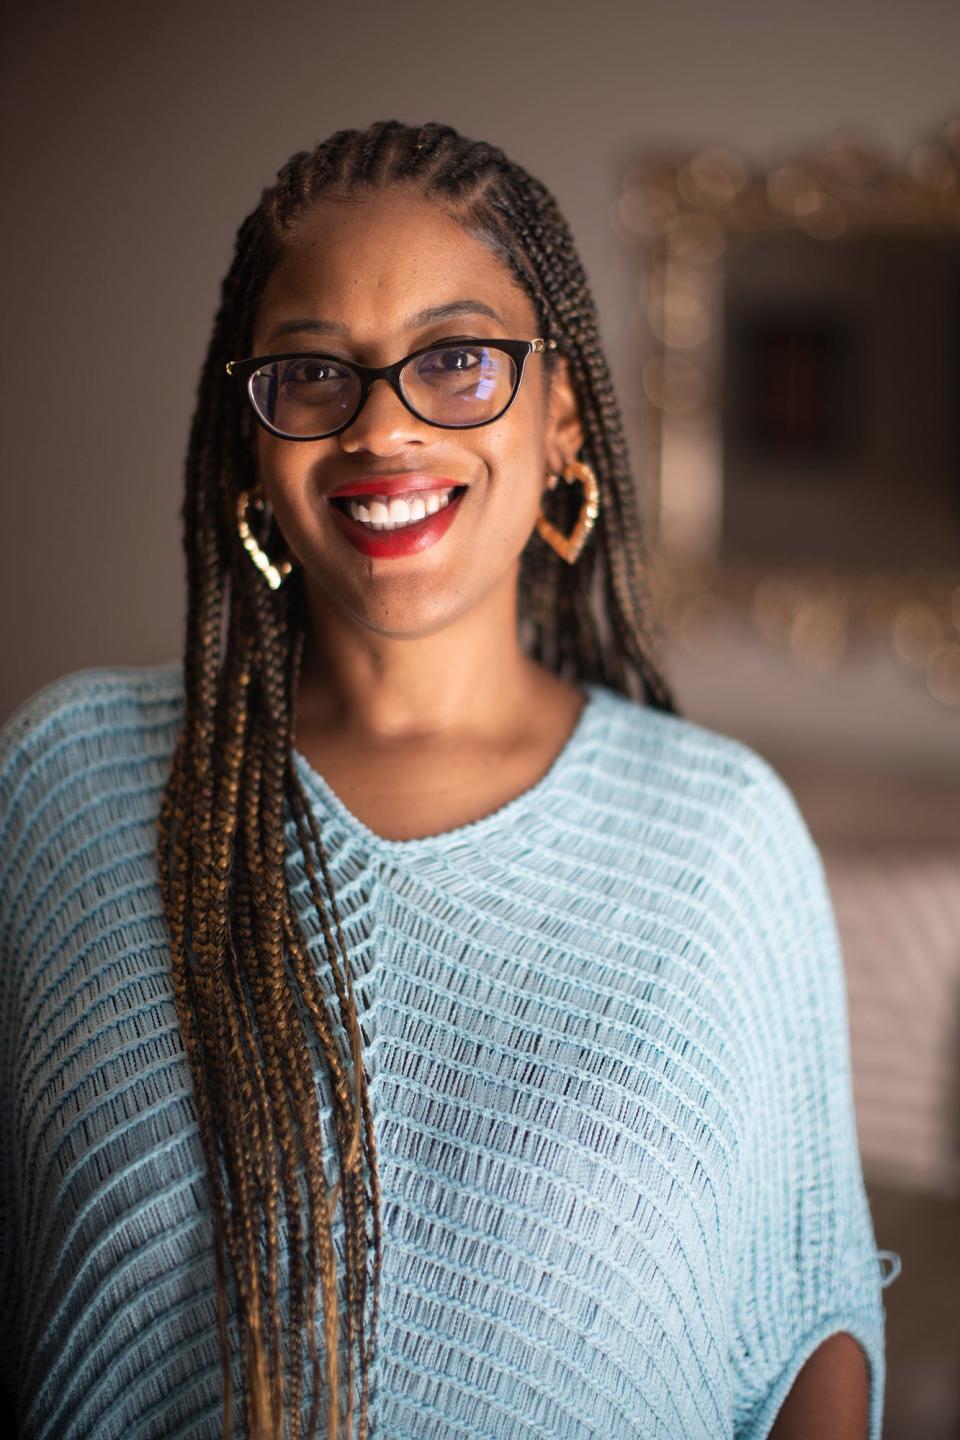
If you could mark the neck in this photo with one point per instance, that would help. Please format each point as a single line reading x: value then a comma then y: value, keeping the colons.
x: 467, y: 678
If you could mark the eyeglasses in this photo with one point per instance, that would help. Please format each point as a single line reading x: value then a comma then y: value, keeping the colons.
x: 457, y: 385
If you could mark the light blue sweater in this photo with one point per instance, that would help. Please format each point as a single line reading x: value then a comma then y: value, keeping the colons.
x: 608, y: 1057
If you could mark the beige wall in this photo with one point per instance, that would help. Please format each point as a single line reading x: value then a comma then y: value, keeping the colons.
x: 137, y: 137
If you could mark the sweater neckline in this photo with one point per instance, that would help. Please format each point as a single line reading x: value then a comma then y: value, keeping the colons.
x: 475, y: 830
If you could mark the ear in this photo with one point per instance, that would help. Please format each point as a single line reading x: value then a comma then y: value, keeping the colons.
x: 564, y: 435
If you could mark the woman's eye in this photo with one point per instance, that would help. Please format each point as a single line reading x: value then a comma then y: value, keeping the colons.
x: 308, y: 372
x: 450, y: 362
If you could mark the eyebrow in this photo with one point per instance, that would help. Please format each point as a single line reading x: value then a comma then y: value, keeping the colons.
x: 422, y: 318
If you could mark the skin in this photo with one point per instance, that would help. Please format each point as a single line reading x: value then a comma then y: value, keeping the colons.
x: 829, y: 1398
x: 416, y: 702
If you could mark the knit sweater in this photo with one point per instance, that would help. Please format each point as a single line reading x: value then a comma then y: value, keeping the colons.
x: 605, y: 1035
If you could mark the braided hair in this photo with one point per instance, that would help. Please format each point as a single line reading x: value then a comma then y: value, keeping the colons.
x: 251, y: 1004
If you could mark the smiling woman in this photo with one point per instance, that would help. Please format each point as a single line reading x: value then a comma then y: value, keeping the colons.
x: 411, y: 1025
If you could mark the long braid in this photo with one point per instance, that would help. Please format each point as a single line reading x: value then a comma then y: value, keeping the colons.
x: 253, y: 1007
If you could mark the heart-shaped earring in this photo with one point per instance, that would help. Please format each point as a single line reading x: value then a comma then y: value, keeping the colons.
x: 274, y: 574
x: 570, y: 546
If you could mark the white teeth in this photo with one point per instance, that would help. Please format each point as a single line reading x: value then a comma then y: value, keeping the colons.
x: 388, y: 512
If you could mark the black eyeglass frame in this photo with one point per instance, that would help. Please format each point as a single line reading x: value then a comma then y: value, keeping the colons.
x: 518, y: 350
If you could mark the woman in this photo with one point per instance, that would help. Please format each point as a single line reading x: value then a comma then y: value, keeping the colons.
x: 414, y: 1026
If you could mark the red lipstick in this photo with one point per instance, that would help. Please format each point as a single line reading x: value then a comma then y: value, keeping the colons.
x: 406, y: 539
x: 394, y: 485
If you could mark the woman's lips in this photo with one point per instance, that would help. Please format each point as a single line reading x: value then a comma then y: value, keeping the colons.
x: 407, y: 539
x: 393, y: 485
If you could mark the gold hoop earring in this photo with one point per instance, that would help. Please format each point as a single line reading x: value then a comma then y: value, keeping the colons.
x: 570, y: 546
x: 275, y: 574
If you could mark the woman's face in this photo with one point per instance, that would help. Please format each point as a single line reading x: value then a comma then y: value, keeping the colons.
x: 365, y: 269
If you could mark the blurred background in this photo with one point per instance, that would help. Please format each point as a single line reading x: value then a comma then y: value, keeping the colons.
x: 767, y: 201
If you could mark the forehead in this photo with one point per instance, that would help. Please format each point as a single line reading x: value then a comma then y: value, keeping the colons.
x: 373, y: 263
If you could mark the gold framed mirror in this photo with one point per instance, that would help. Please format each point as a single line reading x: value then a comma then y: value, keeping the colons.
x: 799, y: 372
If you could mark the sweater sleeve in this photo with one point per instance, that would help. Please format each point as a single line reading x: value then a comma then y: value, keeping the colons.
x: 806, y: 1264
x: 34, y: 761
x: 20, y: 764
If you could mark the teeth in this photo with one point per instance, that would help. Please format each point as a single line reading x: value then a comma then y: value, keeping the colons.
x: 389, y: 512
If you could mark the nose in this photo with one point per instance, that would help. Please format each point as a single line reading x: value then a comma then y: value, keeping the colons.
x: 383, y: 425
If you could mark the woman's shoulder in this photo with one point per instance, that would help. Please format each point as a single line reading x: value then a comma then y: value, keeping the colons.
x: 702, y: 815
x: 671, y: 766
x: 101, y: 686
x: 81, y: 748
x: 96, y: 703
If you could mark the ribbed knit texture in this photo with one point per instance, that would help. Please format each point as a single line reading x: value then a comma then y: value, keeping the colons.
x: 606, y: 1038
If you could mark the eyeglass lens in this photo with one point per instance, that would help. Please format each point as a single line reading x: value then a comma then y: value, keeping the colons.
x: 452, y: 385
